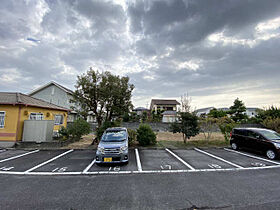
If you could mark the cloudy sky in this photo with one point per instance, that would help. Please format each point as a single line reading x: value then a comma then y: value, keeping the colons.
x: 214, y: 50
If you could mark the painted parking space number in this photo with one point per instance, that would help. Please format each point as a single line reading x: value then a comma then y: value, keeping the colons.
x: 6, y: 168
x: 60, y: 170
x: 214, y: 166
x: 116, y: 168
x: 165, y: 167
x: 258, y: 164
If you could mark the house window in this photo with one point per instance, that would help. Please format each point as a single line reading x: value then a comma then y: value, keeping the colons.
x: 2, y: 119
x: 58, y: 119
x: 36, y: 116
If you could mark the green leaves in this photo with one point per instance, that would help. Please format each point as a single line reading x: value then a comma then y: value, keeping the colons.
x: 105, y: 94
x: 187, y: 124
x: 237, y: 111
x: 145, y: 135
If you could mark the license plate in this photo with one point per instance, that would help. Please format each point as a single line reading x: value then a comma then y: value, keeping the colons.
x: 108, y: 159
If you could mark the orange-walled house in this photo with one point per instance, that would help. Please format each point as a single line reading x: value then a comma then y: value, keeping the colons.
x: 17, y: 107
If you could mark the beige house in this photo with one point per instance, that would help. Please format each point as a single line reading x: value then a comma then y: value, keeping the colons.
x: 164, y: 104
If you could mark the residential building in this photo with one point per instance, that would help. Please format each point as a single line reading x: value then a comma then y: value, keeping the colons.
x: 15, y: 108
x: 164, y: 104
x: 203, y: 111
x: 251, y: 112
x: 55, y: 93
x: 169, y: 116
x: 140, y: 110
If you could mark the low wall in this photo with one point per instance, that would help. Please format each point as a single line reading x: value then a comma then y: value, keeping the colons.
x: 165, y: 127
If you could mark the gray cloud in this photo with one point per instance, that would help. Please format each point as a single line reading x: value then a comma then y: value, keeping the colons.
x: 212, y: 49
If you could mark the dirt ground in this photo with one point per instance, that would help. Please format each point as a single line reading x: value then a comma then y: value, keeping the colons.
x: 84, y: 143
x: 169, y: 136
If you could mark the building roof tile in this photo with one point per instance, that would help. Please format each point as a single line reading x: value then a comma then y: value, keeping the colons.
x: 22, y: 99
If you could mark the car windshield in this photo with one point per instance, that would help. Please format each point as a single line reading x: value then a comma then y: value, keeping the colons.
x: 114, y: 136
x: 272, y: 135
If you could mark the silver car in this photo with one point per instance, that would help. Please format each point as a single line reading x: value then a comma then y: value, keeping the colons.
x: 113, y: 146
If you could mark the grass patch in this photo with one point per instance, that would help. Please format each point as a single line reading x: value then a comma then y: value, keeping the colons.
x: 191, y: 144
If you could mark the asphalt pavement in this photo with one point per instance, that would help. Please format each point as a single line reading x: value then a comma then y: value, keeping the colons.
x: 166, y: 179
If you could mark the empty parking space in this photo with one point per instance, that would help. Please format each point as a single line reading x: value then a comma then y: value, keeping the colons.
x: 201, y: 161
x: 130, y: 166
x: 239, y: 159
x: 5, y: 154
x: 159, y: 160
x: 141, y: 160
x: 28, y: 161
x: 75, y: 161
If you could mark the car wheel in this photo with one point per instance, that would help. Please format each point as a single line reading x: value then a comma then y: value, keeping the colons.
x: 234, y: 146
x: 270, y: 154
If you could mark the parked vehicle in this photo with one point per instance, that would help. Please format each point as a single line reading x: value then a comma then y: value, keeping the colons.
x: 113, y: 146
x: 258, y: 139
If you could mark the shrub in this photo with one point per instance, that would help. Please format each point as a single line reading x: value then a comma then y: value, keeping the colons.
x: 64, y: 133
x: 226, y: 125
x: 132, y: 136
x: 207, y: 125
x: 78, y: 128
x: 273, y: 124
x: 145, y: 135
x: 104, y: 126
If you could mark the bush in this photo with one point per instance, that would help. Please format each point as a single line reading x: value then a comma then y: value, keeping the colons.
x: 78, y: 128
x: 207, y: 126
x: 226, y: 125
x: 104, y: 126
x: 64, y: 133
x: 145, y: 135
x: 273, y: 124
x: 132, y: 136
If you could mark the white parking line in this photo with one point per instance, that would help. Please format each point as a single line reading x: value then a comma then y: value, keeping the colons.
x: 218, y: 158
x: 18, y: 156
x: 89, y: 166
x: 139, y: 166
x: 48, y: 161
x: 252, y: 156
x: 136, y: 172
x: 180, y: 159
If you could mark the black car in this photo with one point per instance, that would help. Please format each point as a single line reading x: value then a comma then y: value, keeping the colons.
x: 258, y: 139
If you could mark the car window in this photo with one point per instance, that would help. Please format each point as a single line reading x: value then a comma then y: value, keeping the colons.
x: 252, y: 134
x: 240, y: 132
x: 112, y: 136
x: 272, y: 135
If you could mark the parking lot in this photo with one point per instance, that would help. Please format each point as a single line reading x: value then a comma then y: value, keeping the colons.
x: 82, y: 162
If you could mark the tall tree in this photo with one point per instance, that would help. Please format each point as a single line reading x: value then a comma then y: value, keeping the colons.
x: 187, y: 125
x: 105, y: 94
x: 237, y: 111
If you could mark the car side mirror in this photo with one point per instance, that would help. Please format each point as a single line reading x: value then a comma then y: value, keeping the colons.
x: 258, y: 137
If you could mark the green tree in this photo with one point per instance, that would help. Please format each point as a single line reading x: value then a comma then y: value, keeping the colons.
x: 187, y: 125
x: 226, y: 125
x: 237, y: 111
x: 105, y: 94
x: 144, y: 116
x: 215, y: 113
x: 272, y: 123
x: 157, y: 115
x: 272, y: 112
